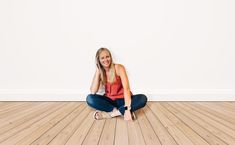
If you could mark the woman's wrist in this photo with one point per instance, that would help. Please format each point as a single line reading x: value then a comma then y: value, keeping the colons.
x: 127, y: 107
x: 98, y: 71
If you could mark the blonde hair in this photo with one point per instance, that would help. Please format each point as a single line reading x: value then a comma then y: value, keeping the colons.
x: 101, y: 68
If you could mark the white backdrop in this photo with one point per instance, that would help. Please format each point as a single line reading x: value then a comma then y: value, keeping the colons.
x: 172, y: 50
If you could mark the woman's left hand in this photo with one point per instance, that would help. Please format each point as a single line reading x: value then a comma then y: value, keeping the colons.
x: 127, y: 115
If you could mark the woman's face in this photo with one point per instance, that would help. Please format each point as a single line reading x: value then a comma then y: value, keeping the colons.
x: 105, y: 59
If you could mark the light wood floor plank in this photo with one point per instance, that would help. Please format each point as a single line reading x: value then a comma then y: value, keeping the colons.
x: 7, y: 110
x: 81, y: 132
x: 147, y: 130
x: 12, y: 129
x: 19, y: 115
x: 163, y: 123
x: 176, y: 133
x: 162, y: 133
x: 220, y: 134
x: 63, y: 136
x: 229, y: 104
x: 208, y: 136
x: 134, y: 133
x: 222, y: 106
x: 4, y: 106
x: 212, y: 114
x: 226, y: 105
x: 94, y: 134
x: 107, y: 136
x: 219, y: 129
x: 39, y: 127
x: 226, y: 115
x: 190, y: 133
x: 217, y: 113
x: 50, y: 134
x: 48, y: 125
x: 121, y: 136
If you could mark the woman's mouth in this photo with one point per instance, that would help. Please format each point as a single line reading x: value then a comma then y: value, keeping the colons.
x: 106, y: 63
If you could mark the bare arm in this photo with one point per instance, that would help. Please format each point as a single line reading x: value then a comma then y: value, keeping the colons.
x: 95, y: 82
x: 127, y: 92
x: 125, y: 84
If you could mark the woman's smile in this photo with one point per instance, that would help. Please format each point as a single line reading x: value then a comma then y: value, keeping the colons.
x: 105, y: 59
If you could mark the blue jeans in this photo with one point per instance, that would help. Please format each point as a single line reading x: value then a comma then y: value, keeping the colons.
x: 103, y: 103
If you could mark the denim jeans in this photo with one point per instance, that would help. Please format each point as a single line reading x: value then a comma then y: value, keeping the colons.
x: 103, y: 103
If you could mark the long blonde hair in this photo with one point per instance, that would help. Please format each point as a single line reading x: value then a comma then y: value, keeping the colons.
x: 101, y: 68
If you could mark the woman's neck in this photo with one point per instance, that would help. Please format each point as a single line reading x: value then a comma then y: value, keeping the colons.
x: 107, y: 69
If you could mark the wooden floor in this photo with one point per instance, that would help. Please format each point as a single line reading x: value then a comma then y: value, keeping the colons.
x: 71, y: 123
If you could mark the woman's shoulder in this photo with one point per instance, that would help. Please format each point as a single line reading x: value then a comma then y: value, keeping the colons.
x: 118, y: 68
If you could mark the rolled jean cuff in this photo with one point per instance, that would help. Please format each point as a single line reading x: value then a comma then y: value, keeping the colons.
x: 122, y: 110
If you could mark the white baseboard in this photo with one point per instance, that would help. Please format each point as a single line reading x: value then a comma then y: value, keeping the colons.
x: 159, y: 95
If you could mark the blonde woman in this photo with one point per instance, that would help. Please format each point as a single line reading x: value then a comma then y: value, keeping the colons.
x: 118, y: 99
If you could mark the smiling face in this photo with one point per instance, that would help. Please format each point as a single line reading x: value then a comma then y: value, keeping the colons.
x: 105, y: 59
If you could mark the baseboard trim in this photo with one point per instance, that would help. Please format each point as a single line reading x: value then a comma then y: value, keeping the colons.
x: 160, y: 95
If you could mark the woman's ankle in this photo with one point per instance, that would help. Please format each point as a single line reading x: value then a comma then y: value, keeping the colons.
x: 115, y: 113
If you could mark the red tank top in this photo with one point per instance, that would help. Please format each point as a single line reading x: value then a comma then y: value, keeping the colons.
x: 114, y: 90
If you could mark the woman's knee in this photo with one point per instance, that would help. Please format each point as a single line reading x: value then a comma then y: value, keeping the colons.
x: 90, y: 99
x: 143, y: 100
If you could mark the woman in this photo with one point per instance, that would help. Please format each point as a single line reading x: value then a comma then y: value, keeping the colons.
x: 118, y: 99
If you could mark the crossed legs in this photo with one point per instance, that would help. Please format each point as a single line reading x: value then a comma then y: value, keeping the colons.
x: 115, y: 107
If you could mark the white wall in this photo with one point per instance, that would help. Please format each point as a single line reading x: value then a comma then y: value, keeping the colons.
x: 172, y: 50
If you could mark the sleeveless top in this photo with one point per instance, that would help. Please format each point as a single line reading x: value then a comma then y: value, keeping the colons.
x: 114, y: 90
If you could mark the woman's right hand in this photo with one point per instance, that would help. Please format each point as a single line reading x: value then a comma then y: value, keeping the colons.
x: 127, y: 115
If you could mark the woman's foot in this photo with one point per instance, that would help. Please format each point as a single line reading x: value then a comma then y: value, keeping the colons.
x: 98, y: 115
x: 115, y: 112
